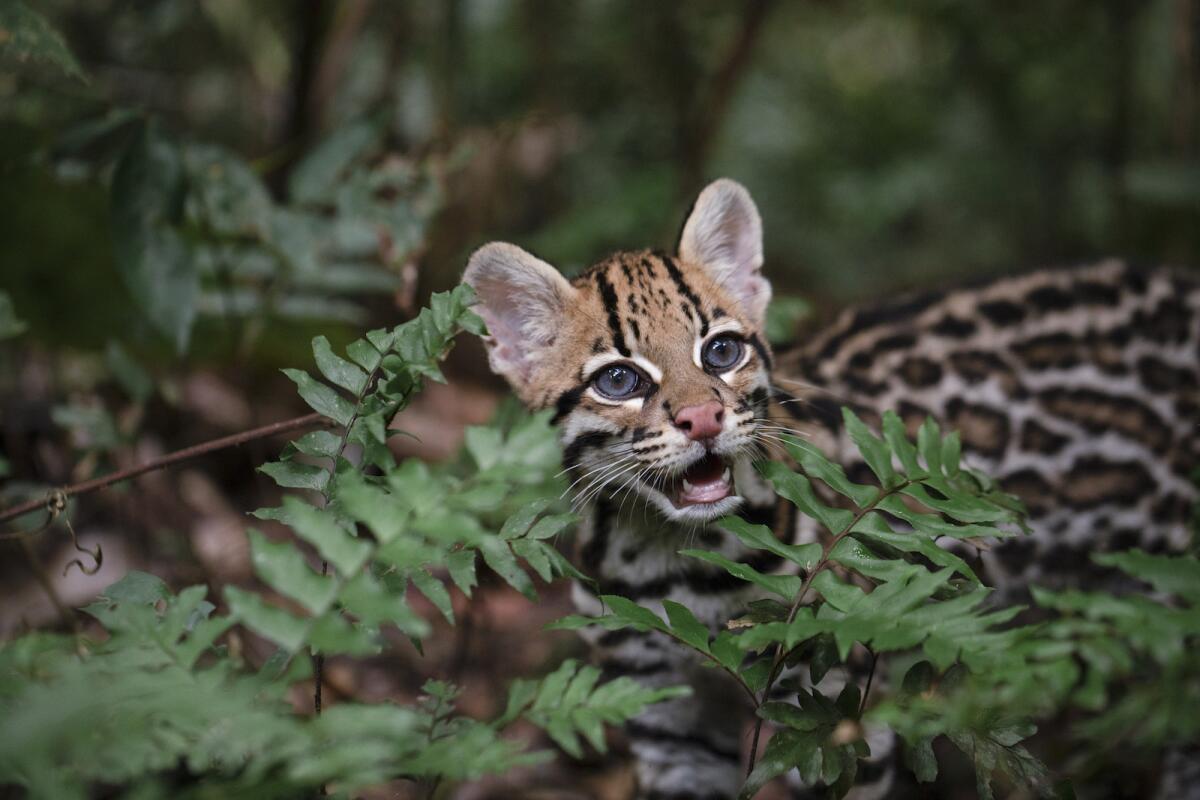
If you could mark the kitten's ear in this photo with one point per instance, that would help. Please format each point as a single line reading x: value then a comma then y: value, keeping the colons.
x: 523, y: 300
x: 723, y: 235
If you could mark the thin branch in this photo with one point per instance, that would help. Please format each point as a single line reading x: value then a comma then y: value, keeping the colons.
x: 169, y: 460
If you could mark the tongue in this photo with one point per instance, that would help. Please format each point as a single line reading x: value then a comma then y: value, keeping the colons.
x: 704, y: 482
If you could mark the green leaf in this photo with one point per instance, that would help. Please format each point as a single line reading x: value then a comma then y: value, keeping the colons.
x: 462, y: 570
x: 381, y: 511
x: 484, y: 445
x: 337, y: 370
x: 365, y: 354
x: 873, y: 449
x: 792, y: 716
x: 367, y: 599
x: 496, y: 554
x: 761, y: 537
x: 319, y: 528
x: 156, y: 264
x: 551, y: 525
x: 318, y: 444
x: 25, y: 35
x: 273, y: 623
x: 294, y: 475
x: 283, y: 567
x: 786, y: 749
x: 136, y: 587
x: 534, y: 553
x: 919, y: 758
x: 929, y: 445
x: 685, y: 625
x: 518, y: 523
x: 785, y: 586
x: 321, y: 398
x: 630, y: 612
x: 896, y: 435
x: 435, y: 591
x: 797, y: 490
x: 1177, y: 575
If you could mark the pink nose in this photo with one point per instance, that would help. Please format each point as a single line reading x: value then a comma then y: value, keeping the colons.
x: 702, y: 421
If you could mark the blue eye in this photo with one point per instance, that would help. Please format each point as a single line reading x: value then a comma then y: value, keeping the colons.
x: 617, y: 382
x: 722, y: 352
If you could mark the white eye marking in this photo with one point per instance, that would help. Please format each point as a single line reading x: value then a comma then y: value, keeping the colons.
x: 634, y: 403
x: 593, y: 364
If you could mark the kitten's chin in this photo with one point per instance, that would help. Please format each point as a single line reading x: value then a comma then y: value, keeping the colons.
x: 696, y: 513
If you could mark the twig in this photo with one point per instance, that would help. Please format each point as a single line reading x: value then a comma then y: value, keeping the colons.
x: 862, y: 706
x: 171, y: 459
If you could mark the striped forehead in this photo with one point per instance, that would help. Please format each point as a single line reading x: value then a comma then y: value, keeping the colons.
x: 646, y: 299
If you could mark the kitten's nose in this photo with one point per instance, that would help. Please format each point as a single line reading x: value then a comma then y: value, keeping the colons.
x: 702, y: 421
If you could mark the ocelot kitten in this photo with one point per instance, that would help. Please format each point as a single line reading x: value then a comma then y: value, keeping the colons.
x: 1078, y: 389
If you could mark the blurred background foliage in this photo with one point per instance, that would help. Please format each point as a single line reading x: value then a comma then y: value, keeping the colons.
x: 190, y: 191
x: 889, y: 145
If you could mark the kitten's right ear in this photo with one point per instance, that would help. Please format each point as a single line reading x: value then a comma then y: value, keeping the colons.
x: 523, y: 300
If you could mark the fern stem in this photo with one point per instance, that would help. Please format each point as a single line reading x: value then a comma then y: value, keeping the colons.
x: 822, y: 563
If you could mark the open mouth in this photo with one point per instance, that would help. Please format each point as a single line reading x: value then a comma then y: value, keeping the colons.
x: 707, y: 481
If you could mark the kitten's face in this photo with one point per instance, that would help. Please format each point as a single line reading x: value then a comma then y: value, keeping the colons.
x: 656, y: 365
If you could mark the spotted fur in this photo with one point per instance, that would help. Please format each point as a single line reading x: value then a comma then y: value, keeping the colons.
x: 1078, y: 389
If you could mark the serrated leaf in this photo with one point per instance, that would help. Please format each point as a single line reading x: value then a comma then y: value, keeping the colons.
x: 685, y: 625
x: 484, y: 444
x: 283, y: 568
x: 792, y: 716
x: 295, y: 475
x: 785, y: 586
x: 534, y: 553
x: 496, y: 555
x: 550, y: 525
x: 518, y: 523
x: 337, y: 370
x: 896, y: 435
x: 320, y: 529
x: 786, y: 749
x: 462, y: 570
x: 273, y: 623
x: 140, y: 588
x: 761, y: 537
x: 321, y: 398
x: 319, y: 444
x: 873, y: 449
x: 919, y: 758
x: 364, y: 354
x: 367, y: 599
x: 435, y: 591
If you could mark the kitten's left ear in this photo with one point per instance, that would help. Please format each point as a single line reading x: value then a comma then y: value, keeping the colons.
x: 723, y: 235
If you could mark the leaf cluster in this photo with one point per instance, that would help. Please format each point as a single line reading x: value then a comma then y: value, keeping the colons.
x: 882, y: 585
x: 159, y: 697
